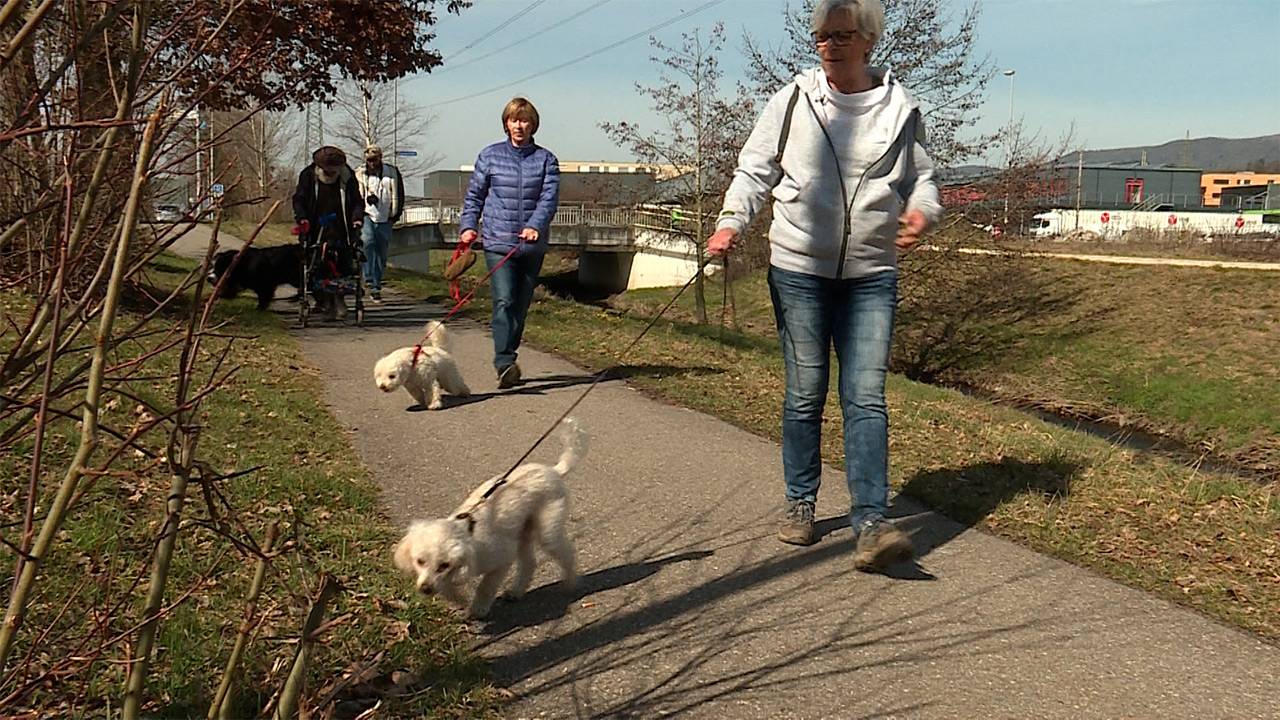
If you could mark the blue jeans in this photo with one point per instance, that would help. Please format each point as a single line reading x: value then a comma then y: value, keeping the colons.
x: 855, y: 315
x: 376, y: 237
x: 511, y: 287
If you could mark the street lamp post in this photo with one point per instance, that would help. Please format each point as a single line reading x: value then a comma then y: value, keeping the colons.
x: 1009, y: 74
x: 1008, y: 147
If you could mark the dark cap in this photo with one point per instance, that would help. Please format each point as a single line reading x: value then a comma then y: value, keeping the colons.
x: 329, y: 157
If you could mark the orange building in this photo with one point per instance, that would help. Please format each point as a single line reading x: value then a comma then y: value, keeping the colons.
x: 1211, y: 183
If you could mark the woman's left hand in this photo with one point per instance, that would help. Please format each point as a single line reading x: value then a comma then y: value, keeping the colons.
x: 911, y: 224
x: 529, y: 235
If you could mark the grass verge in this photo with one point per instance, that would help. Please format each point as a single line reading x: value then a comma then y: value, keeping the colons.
x: 310, y: 482
x: 1182, y: 354
x: 1202, y: 539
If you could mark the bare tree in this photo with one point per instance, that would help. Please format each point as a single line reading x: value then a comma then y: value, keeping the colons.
x: 258, y: 147
x: 96, y: 107
x: 703, y: 133
x: 1035, y: 174
x: 376, y: 114
x: 934, y: 57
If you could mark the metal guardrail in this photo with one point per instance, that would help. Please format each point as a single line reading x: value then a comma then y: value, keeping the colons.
x: 566, y: 215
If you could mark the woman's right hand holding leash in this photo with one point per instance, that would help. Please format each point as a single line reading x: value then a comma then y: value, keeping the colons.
x: 721, y: 241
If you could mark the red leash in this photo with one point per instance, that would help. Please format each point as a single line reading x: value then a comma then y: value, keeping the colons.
x: 461, y: 302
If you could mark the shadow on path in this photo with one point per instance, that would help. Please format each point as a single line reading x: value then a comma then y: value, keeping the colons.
x: 549, y: 602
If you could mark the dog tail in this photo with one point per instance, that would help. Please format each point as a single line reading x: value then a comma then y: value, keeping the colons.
x: 437, y: 336
x: 575, y: 445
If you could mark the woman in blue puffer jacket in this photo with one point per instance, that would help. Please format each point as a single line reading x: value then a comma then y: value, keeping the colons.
x: 512, y: 196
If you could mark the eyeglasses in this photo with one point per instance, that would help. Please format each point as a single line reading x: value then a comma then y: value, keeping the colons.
x: 839, y: 37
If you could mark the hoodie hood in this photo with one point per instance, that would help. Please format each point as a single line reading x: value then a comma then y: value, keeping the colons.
x: 811, y: 81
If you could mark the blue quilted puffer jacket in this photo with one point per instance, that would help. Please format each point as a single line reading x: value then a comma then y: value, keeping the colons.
x: 512, y: 188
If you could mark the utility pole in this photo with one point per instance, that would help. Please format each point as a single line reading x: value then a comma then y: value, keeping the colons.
x: 395, y: 118
x: 1008, y: 151
x: 199, y: 154
x: 1079, y: 184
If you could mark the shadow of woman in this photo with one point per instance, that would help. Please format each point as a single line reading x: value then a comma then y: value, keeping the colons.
x: 936, y: 506
x: 962, y: 497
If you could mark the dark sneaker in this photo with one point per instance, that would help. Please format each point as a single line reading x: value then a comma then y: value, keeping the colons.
x: 508, y: 376
x: 796, y: 527
x: 376, y: 295
x: 880, y: 545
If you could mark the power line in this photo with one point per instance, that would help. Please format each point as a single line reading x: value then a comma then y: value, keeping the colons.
x: 528, y: 36
x: 501, y: 25
x: 580, y: 58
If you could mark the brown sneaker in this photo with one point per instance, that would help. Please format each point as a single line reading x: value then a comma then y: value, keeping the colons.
x: 796, y: 527
x: 880, y: 545
x: 508, y: 376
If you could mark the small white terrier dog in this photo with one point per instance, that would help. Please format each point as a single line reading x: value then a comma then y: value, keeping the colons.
x: 484, y: 537
x: 423, y: 369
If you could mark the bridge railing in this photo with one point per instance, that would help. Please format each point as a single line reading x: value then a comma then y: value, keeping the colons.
x: 566, y: 215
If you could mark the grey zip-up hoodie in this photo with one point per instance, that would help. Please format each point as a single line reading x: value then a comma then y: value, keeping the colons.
x: 828, y: 220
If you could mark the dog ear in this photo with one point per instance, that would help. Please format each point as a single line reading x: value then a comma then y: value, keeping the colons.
x: 403, y: 558
x: 471, y: 522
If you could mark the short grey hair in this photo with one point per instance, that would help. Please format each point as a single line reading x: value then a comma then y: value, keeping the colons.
x: 868, y: 16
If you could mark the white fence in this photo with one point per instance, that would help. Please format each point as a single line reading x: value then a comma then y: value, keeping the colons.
x: 1113, y: 223
x: 566, y: 215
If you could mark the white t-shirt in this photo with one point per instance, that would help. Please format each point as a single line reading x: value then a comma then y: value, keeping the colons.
x: 849, y: 119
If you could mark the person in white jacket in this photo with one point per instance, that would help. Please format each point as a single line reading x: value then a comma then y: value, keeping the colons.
x: 840, y: 149
x: 382, y: 189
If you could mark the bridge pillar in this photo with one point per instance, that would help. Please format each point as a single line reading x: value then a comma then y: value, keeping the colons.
x: 411, y: 245
x: 608, y: 271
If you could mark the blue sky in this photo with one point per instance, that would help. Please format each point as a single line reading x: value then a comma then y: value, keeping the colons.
x: 1127, y: 72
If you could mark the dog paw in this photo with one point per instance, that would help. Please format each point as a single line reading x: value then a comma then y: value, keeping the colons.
x: 435, y: 405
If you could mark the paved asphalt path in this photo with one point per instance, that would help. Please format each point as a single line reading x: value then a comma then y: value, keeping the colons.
x: 689, y: 607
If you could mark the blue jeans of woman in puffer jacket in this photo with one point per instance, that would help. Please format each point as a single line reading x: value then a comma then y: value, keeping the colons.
x: 511, y: 287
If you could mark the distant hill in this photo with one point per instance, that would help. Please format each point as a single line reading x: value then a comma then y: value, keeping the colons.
x: 1208, y: 153
x: 963, y: 173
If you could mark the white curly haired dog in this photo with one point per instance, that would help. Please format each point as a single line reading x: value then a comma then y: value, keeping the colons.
x: 484, y: 537
x: 423, y: 369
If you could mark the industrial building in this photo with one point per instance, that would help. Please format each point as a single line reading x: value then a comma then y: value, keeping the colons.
x: 1127, y: 186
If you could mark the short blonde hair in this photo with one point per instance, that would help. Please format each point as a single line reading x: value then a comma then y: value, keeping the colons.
x: 520, y: 109
x: 868, y: 16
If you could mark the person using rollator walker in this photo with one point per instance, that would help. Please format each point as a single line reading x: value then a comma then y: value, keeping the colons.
x: 328, y: 211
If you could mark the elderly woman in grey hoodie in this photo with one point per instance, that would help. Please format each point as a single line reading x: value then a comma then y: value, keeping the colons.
x: 840, y: 151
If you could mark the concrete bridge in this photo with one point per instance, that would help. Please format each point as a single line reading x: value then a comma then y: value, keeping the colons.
x: 619, y: 248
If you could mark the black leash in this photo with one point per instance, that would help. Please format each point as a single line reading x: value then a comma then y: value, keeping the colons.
x: 596, y: 381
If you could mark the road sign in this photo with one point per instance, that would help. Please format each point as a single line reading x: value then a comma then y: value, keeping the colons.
x: 406, y: 153
x: 1106, y: 218
x: 216, y: 190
